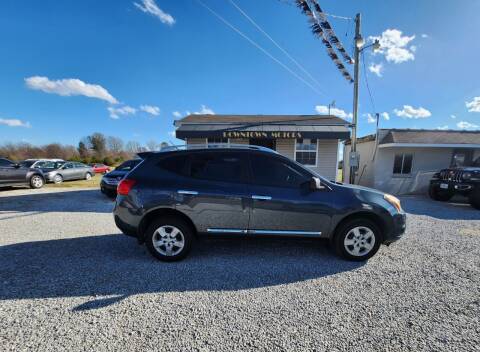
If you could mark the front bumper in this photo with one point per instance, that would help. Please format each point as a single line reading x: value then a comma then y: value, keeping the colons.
x: 452, y: 186
x: 398, y: 229
x: 109, y: 187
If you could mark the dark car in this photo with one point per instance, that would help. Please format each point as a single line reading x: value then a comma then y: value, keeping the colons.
x: 464, y: 181
x: 173, y: 196
x: 58, y: 172
x: 21, y: 174
x: 110, y: 181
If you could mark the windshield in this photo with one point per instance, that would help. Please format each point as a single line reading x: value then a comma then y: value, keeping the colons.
x: 52, y: 164
x: 27, y: 163
x: 128, y: 165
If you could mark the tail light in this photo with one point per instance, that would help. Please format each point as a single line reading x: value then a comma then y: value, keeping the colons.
x: 125, y: 186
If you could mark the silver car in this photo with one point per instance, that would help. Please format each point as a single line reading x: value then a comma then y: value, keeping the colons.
x: 58, y: 172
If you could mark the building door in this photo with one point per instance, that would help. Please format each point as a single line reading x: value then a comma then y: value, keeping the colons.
x: 263, y: 142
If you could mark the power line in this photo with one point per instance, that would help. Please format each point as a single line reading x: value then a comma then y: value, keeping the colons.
x: 274, y: 42
x: 259, y: 47
x: 372, y: 101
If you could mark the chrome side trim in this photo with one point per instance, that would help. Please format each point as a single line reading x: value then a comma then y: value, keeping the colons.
x: 239, y: 231
x: 261, y: 197
x: 287, y: 233
x: 192, y: 193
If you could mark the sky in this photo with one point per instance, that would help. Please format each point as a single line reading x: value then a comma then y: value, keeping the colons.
x: 129, y: 68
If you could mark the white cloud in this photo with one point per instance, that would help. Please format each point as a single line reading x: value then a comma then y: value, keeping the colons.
x: 464, y: 125
x: 177, y: 114
x: 205, y: 111
x: 69, y: 87
x: 394, y: 46
x: 474, y: 105
x: 14, y: 123
x: 425, y: 35
x: 323, y: 110
x: 150, y: 109
x: 149, y: 6
x: 171, y: 133
x: 412, y: 113
x: 413, y: 48
x: 453, y: 116
x: 386, y: 115
x: 115, y: 113
x: 376, y: 69
x: 371, y: 118
x: 442, y: 128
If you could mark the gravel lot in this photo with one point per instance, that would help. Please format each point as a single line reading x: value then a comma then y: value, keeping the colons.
x: 69, y: 281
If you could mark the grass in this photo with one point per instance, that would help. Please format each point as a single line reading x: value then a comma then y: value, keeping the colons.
x: 94, y: 182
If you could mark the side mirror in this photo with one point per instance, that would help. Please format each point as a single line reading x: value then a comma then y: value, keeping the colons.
x: 316, y: 184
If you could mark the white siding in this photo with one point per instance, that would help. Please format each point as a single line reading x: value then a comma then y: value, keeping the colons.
x: 366, y: 170
x: 238, y: 141
x: 286, y: 147
x: 327, y: 162
x: 196, y: 141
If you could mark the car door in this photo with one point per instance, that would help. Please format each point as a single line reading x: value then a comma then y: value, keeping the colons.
x: 283, y: 202
x: 68, y: 171
x: 214, y: 193
x: 6, y: 174
x: 79, y: 171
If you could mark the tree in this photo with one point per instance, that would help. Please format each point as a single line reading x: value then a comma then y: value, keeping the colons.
x: 133, y: 147
x: 99, y: 144
x: 82, y: 149
x: 152, y: 145
x: 115, y: 145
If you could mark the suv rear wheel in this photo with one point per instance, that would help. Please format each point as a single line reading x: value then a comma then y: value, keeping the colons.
x: 169, y: 239
x: 474, y: 198
x: 357, y: 240
x: 436, y: 194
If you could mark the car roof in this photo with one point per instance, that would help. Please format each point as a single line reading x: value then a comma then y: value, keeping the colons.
x: 210, y: 147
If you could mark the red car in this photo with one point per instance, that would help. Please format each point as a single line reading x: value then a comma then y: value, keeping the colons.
x: 100, y: 168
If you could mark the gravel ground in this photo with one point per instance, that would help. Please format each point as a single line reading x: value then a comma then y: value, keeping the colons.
x: 69, y: 281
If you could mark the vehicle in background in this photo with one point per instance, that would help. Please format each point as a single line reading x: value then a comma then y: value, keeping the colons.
x: 173, y: 196
x: 110, y: 181
x: 13, y: 174
x: 38, y: 163
x: 58, y: 172
x: 464, y: 180
x: 100, y: 168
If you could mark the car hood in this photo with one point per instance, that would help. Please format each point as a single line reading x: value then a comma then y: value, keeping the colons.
x: 359, y: 188
x: 466, y: 168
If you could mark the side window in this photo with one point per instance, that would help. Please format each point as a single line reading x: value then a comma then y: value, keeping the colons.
x: 68, y: 166
x: 402, y: 164
x: 5, y: 162
x: 275, y: 172
x: 224, y: 167
x: 174, y: 164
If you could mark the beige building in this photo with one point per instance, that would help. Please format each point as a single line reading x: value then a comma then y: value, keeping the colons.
x: 311, y: 140
x: 404, y: 160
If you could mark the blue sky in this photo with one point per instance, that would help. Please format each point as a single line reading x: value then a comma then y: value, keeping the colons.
x: 70, y: 68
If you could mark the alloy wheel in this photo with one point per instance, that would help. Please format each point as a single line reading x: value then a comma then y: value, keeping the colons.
x: 37, y: 181
x: 168, y: 240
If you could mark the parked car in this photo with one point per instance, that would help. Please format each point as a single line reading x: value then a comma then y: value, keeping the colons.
x: 464, y: 181
x: 109, y: 183
x: 174, y: 196
x: 38, y: 163
x: 100, y: 168
x: 13, y: 174
x: 67, y: 171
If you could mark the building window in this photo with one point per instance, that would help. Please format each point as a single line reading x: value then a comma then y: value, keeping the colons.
x: 217, y: 140
x: 402, y: 165
x: 306, y: 151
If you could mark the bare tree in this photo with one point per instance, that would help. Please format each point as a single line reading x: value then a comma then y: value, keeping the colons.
x: 152, y: 145
x: 115, y: 145
x: 133, y: 147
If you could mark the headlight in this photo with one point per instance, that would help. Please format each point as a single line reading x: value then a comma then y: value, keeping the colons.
x: 466, y: 175
x: 393, y: 201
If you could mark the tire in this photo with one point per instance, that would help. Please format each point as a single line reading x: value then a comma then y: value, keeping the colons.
x: 474, y: 198
x: 36, y: 182
x: 355, y: 232
x: 436, y: 194
x: 88, y: 176
x: 58, y: 179
x: 159, y: 249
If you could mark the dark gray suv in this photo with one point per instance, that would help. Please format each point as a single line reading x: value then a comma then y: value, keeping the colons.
x: 176, y: 195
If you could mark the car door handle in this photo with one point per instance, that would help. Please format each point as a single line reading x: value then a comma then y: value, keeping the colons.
x: 261, y: 197
x: 192, y: 193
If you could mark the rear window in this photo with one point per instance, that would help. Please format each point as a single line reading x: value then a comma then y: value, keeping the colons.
x: 224, y: 167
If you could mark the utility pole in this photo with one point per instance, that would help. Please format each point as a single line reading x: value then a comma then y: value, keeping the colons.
x: 354, y: 158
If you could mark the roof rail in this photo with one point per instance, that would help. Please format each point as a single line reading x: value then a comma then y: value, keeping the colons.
x: 171, y: 148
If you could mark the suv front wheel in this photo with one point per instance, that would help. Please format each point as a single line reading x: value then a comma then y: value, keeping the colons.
x: 474, y: 198
x: 169, y: 239
x: 357, y: 240
x: 436, y: 194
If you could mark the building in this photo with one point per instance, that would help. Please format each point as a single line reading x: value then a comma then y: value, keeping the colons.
x: 404, y: 160
x: 311, y: 140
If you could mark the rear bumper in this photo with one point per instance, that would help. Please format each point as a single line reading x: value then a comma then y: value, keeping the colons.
x: 125, y: 228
